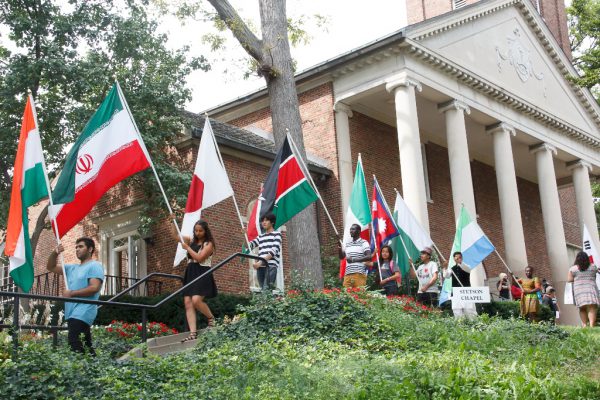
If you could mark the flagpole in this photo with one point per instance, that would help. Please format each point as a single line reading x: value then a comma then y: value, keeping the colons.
x: 237, y: 209
x: 51, y: 203
x: 307, y: 173
x: 405, y: 248
x: 445, y: 261
x: 145, y: 150
x: 508, y: 268
x: 376, y: 252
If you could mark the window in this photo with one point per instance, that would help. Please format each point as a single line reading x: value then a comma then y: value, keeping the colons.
x: 456, y: 4
x: 122, y: 252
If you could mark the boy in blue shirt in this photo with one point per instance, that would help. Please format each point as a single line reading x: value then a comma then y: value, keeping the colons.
x: 84, y: 281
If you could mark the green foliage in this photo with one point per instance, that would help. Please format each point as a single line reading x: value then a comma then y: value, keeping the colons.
x: 378, y: 351
x: 511, y: 309
x: 583, y: 18
x: 69, y: 56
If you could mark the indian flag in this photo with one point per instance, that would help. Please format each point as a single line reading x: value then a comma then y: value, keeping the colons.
x: 108, y: 150
x: 359, y: 210
x: 413, y: 238
x: 29, y: 187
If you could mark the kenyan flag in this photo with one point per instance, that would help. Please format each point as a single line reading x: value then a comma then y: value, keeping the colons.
x: 286, y: 190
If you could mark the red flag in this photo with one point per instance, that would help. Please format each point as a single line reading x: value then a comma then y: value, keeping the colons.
x: 384, y: 226
x: 253, y: 229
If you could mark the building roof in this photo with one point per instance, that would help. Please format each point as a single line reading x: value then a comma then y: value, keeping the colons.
x: 249, y: 142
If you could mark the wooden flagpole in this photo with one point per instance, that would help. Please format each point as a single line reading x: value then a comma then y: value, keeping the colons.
x: 145, y: 150
x: 237, y: 209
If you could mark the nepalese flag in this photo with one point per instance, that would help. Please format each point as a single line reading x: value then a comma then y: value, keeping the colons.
x: 29, y: 187
x: 359, y: 211
x: 286, y: 191
x: 108, y: 150
x: 384, y: 226
x: 210, y: 185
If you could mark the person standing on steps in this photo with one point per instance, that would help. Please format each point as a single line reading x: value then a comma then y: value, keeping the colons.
x: 269, y: 248
x: 84, y: 281
x: 200, y: 249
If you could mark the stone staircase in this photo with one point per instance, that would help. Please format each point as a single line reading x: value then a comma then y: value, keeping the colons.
x: 163, y: 345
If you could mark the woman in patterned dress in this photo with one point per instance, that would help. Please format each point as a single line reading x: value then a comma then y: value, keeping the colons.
x: 530, y: 303
x: 585, y: 291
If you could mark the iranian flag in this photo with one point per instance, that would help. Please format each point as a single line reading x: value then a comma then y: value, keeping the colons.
x: 210, y: 185
x: 359, y: 210
x: 108, y: 150
x: 413, y: 238
x: 286, y: 191
x: 29, y: 187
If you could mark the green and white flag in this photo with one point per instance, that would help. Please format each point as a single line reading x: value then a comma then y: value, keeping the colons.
x: 413, y: 235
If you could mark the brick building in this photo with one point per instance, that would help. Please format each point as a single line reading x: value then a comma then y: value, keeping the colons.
x: 469, y: 104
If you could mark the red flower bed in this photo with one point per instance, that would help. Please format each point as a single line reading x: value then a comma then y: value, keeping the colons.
x: 128, y: 330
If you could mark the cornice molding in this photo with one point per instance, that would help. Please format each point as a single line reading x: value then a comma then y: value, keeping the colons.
x: 545, y: 39
x: 499, y: 94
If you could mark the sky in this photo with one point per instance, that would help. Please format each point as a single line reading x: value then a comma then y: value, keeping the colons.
x: 351, y: 23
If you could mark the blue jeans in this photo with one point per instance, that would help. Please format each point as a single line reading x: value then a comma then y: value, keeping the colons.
x: 266, y: 279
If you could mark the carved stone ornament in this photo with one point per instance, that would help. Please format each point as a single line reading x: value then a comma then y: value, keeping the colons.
x: 519, y: 57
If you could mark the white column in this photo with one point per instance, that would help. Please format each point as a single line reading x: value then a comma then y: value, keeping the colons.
x: 409, y: 144
x: 583, y: 195
x: 460, y: 167
x: 342, y: 131
x: 508, y: 195
x: 556, y: 245
x: 458, y: 156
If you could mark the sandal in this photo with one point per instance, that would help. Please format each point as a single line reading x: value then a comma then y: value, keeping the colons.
x: 191, y: 336
x: 210, y: 322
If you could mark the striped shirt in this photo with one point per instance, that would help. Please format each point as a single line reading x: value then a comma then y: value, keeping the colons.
x: 269, y: 243
x: 356, y: 249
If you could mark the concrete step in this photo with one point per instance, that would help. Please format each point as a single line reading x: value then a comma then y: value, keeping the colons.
x: 163, y: 345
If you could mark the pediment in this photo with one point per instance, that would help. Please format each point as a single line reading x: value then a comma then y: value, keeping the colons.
x: 502, y: 47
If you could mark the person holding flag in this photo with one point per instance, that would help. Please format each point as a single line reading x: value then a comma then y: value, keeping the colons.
x: 460, y: 276
x: 427, y: 275
x: 84, y: 281
x: 269, y: 248
x: 356, y: 252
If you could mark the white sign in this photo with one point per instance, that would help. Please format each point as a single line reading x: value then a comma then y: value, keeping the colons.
x: 568, y: 298
x: 470, y: 295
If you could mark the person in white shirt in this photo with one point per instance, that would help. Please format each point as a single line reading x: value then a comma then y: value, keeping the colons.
x: 427, y: 275
x: 460, y: 273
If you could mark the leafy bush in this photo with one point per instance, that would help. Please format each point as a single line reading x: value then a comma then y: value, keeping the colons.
x: 331, y: 344
x: 511, y: 309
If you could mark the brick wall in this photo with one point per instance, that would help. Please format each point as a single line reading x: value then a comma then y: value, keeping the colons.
x: 568, y: 207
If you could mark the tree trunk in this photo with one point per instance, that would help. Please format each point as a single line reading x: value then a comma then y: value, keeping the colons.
x: 276, y: 65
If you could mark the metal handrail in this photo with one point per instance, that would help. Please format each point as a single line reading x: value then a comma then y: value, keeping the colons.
x: 143, y: 307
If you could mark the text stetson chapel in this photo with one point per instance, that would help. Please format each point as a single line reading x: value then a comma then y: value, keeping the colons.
x: 469, y: 103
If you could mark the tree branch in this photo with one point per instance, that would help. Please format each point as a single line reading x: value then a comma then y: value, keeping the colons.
x: 39, y: 227
x: 240, y: 30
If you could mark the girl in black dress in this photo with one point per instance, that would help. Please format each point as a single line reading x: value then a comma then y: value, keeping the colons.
x: 200, y: 249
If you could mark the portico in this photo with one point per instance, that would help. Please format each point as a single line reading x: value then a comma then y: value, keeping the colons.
x: 492, y: 89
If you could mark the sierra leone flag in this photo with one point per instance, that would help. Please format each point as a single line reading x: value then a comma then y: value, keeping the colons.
x: 286, y: 191
x: 29, y: 187
x: 108, y: 150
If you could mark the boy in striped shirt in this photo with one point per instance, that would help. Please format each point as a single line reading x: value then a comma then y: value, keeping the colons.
x: 269, y: 248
